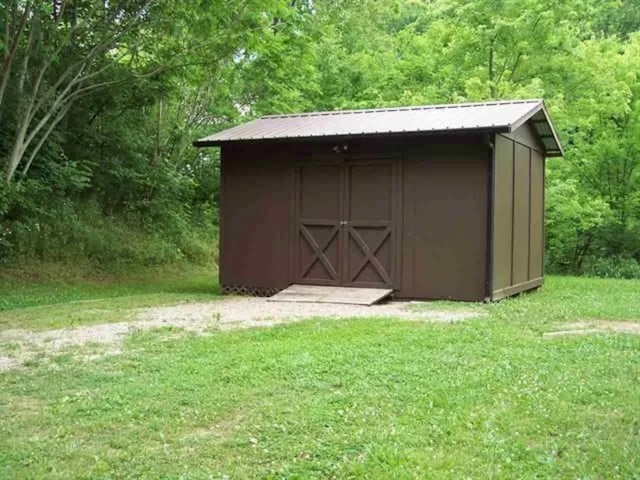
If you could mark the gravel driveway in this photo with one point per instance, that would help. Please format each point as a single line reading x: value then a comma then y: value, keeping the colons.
x: 226, y: 314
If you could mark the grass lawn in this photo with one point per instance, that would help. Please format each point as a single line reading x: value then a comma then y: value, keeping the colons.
x: 59, y: 297
x: 485, y: 398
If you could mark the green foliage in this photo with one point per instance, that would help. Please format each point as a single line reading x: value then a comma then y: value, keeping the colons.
x: 613, y: 267
x: 69, y: 230
x: 119, y: 164
x: 582, y: 57
x: 574, y: 222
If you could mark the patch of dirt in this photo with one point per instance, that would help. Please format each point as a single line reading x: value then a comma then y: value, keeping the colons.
x: 23, y: 405
x: 227, y: 314
x: 219, y: 431
x: 8, y: 363
x: 258, y: 312
x: 589, y: 327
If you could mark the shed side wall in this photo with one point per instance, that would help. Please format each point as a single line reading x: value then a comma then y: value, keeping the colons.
x: 518, y: 232
x: 444, y: 238
x: 521, y: 218
x: 503, y: 213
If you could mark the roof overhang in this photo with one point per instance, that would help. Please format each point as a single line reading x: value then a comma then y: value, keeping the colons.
x: 539, y: 119
x: 451, y: 119
x: 203, y: 143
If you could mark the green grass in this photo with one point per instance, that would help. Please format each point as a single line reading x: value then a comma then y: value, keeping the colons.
x: 51, y: 296
x: 485, y: 398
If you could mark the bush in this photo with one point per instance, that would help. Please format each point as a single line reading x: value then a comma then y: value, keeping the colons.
x: 80, y: 232
x: 613, y: 267
x: 575, y: 223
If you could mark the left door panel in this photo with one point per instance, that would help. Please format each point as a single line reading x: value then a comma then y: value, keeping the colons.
x: 318, y: 232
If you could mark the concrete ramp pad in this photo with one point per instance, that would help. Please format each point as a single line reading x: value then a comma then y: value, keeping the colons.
x: 324, y: 294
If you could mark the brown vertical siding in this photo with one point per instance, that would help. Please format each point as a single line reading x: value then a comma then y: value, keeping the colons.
x: 409, y: 214
x: 518, y: 233
x: 521, y: 215
x: 503, y: 213
x: 445, y: 203
x: 536, y: 255
x: 256, y: 199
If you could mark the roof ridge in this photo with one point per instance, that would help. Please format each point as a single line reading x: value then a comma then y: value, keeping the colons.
x: 400, y: 109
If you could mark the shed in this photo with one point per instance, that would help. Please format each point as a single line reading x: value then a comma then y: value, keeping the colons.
x: 435, y: 202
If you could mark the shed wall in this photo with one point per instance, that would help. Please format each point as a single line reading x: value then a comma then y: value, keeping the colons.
x: 255, y: 204
x: 518, y: 213
x: 443, y: 213
x: 444, y: 238
x: 503, y: 212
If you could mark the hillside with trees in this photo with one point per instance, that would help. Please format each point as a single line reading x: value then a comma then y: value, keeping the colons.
x: 100, y: 102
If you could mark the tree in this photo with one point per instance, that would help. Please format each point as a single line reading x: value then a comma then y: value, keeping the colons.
x: 100, y: 101
x: 55, y: 54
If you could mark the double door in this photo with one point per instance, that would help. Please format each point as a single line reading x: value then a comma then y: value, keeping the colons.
x: 345, y: 222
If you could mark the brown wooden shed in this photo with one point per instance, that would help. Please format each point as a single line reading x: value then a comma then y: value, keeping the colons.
x: 436, y: 202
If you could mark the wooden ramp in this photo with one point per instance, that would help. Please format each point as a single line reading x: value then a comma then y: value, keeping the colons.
x: 323, y: 294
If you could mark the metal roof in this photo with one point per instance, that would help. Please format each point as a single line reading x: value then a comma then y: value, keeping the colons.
x: 502, y: 116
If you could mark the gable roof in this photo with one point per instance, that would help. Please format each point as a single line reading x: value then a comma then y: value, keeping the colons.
x: 502, y: 116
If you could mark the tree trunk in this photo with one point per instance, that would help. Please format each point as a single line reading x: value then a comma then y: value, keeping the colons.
x: 156, y: 152
x: 492, y: 85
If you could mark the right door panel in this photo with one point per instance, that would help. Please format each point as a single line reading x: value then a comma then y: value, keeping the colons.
x: 369, y: 223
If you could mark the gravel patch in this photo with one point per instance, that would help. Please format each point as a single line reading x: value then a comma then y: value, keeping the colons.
x: 258, y: 312
x: 227, y: 314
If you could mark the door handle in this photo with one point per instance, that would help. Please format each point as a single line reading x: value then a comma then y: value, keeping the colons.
x: 343, y: 223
